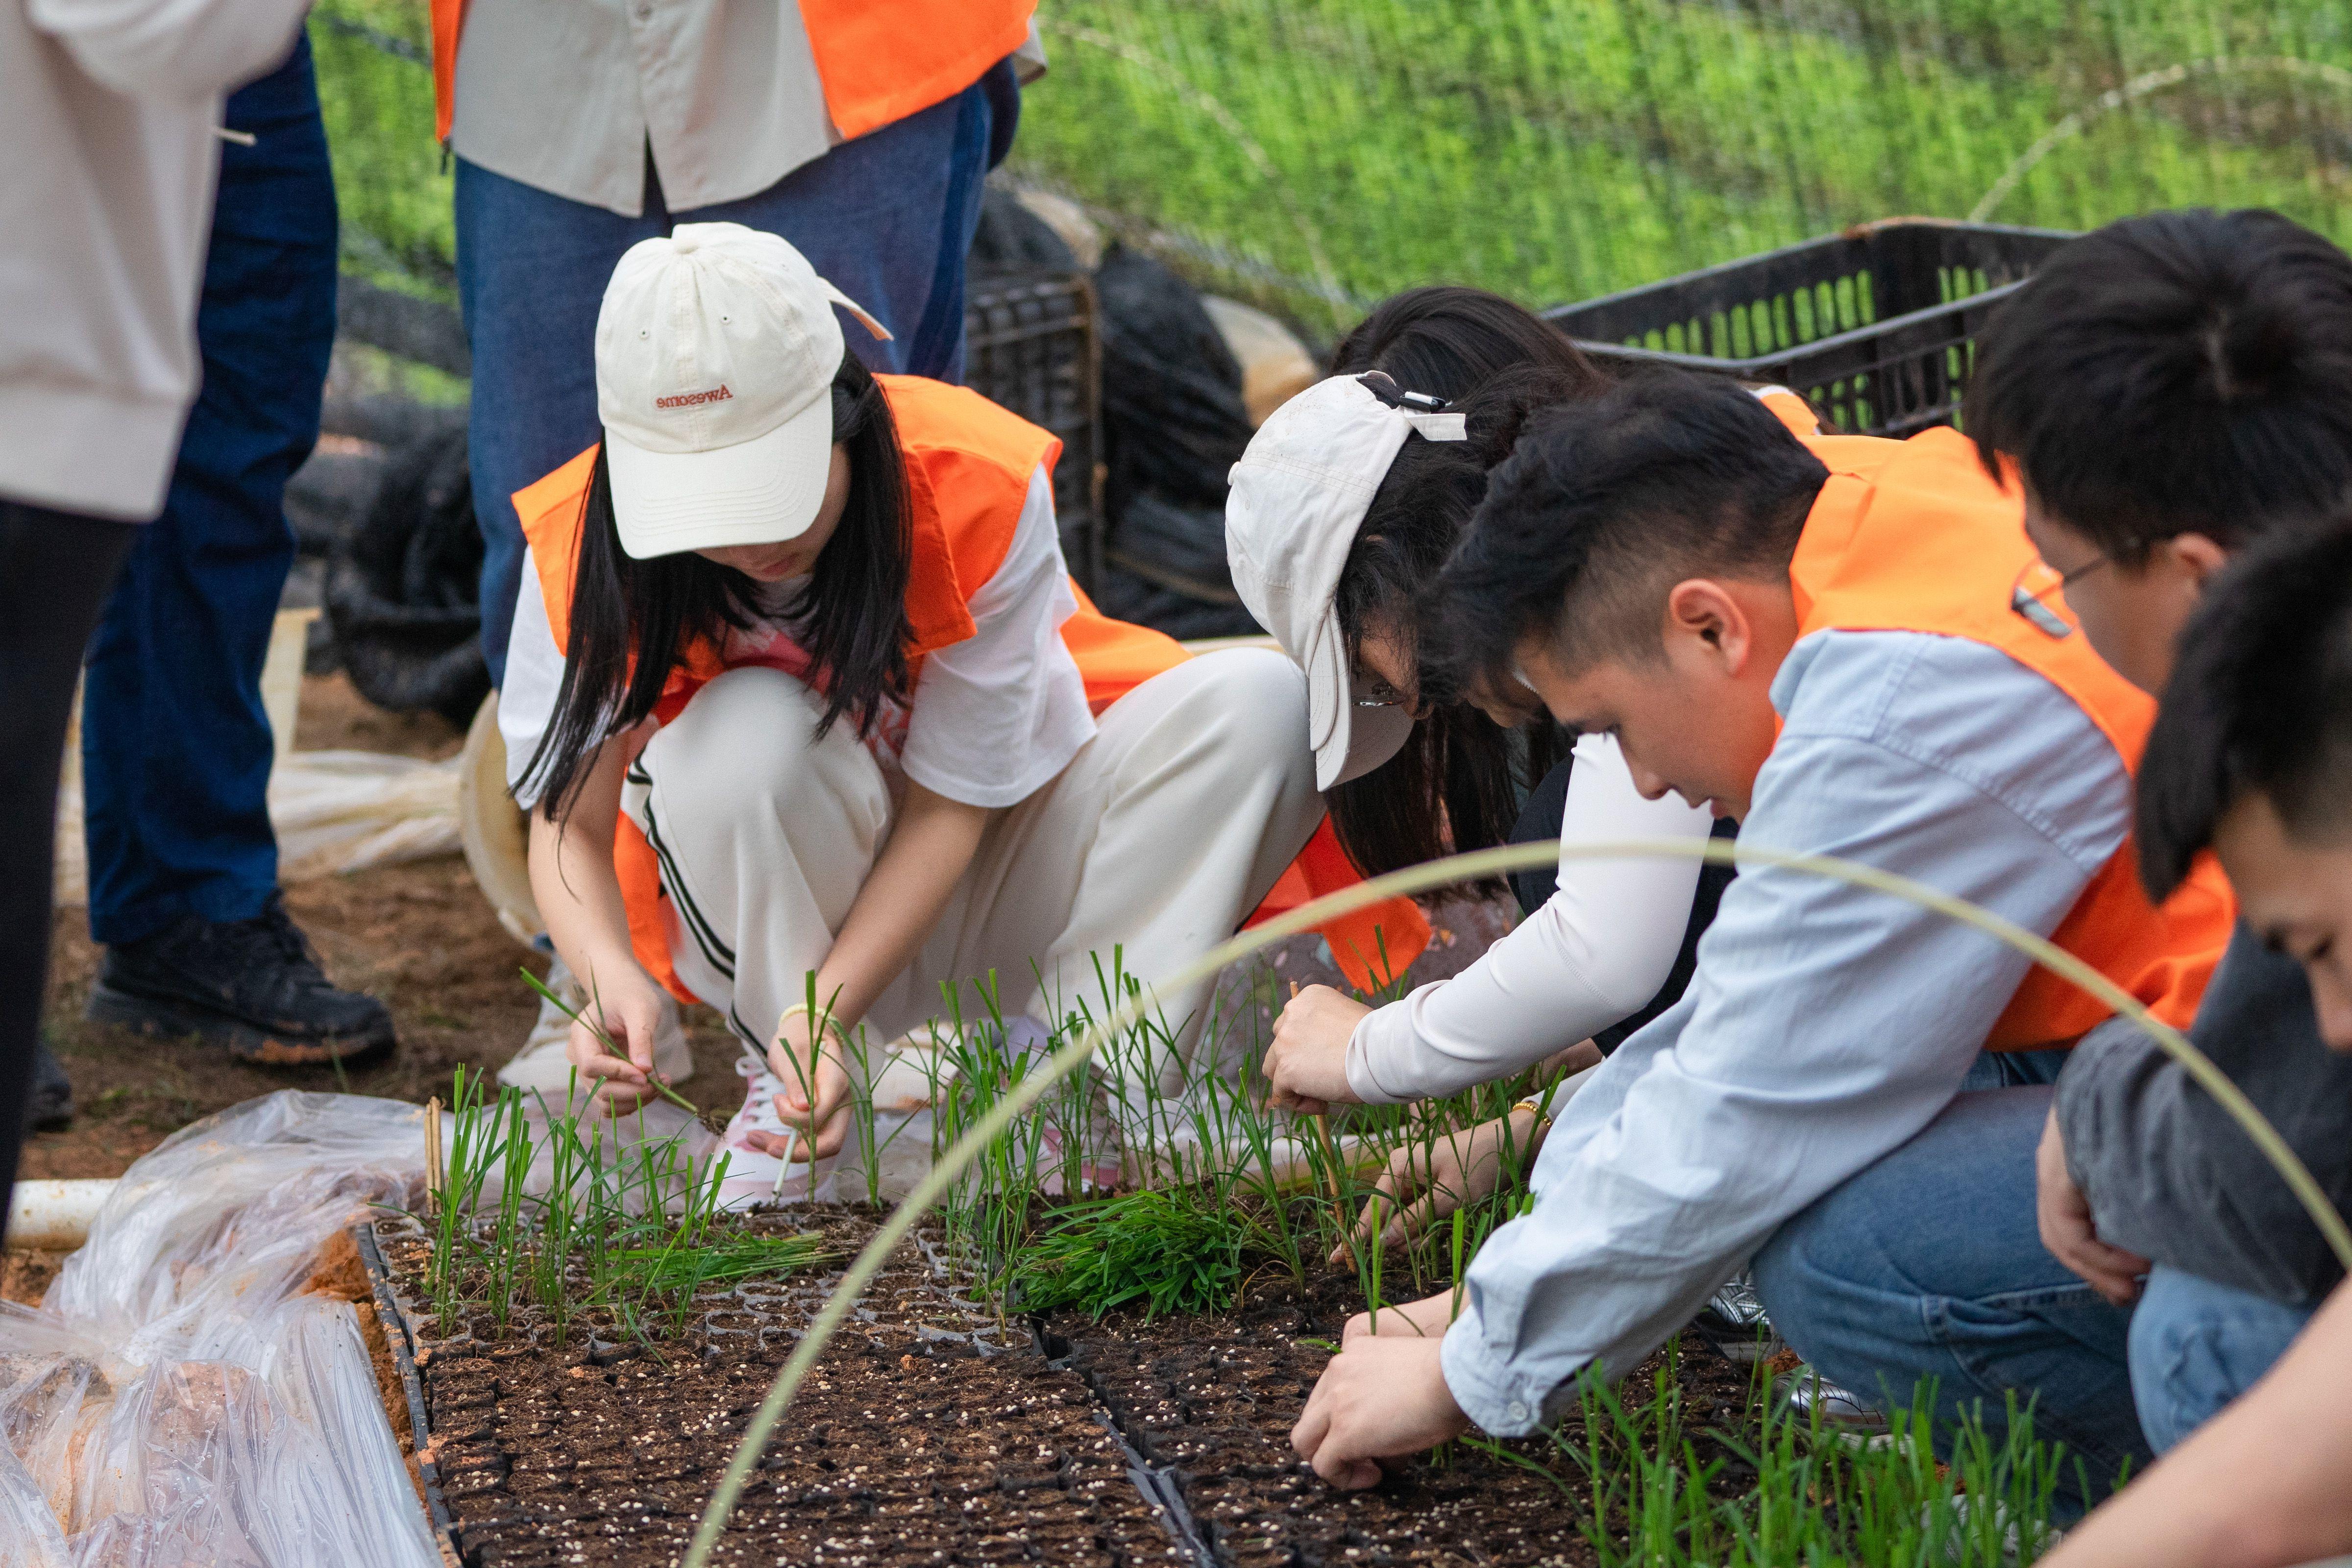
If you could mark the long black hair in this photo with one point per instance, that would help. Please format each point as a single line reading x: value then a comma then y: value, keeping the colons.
x: 850, y: 616
x: 1457, y: 783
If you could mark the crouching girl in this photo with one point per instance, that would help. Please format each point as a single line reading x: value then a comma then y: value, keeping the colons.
x: 801, y: 687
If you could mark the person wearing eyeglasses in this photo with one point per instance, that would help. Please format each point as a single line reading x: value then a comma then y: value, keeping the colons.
x: 1815, y: 636
x: 2252, y: 758
x: 2168, y: 392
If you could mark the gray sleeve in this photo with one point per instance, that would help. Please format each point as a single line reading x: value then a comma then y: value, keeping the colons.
x: 167, y: 50
x: 2170, y: 1175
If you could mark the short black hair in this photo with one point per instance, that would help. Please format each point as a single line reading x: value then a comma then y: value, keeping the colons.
x: 1603, y: 505
x: 2260, y: 701
x: 2179, y: 372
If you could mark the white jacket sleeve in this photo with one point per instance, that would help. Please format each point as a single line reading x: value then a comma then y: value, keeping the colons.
x: 187, y: 49
x: 1597, y: 951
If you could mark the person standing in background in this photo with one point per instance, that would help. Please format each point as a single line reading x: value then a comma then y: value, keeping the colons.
x: 176, y: 748
x: 108, y: 112
x: 858, y: 131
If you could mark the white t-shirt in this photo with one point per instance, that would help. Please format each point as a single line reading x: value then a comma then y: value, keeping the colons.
x: 992, y: 719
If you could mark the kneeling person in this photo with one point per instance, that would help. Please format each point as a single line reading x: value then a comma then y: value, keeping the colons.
x: 1814, y: 635
x: 802, y: 695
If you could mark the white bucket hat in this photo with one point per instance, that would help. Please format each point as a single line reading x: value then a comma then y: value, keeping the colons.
x: 1299, y: 493
x: 716, y: 350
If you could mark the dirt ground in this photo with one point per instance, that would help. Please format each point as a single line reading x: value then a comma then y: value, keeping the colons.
x: 422, y: 937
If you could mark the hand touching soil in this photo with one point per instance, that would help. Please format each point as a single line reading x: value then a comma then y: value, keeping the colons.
x: 1381, y: 1397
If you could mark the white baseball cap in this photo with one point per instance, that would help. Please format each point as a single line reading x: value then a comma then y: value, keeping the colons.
x: 1299, y: 493
x: 716, y: 350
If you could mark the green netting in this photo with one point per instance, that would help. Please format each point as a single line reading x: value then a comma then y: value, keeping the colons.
x: 1324, y: 153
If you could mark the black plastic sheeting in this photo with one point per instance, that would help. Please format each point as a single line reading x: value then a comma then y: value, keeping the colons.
x: 404, y: 585
x: 1174, y: 427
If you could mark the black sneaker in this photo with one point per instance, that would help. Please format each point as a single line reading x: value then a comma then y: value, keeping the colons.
x: 50, y: 1106
x: 251, y: 985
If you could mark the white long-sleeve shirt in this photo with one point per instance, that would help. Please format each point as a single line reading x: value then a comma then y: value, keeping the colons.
x: 106, y: 111
x: 1594, y: 953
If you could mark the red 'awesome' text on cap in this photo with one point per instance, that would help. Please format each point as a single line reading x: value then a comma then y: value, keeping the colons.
x: 689, y: 399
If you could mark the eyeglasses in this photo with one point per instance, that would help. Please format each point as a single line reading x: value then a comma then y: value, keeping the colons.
x: 1378, y: 693
x: 2039, y: 588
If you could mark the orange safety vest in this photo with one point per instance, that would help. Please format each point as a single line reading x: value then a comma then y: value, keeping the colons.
x: 969, y: 463
x: 879, y: 60
x: 1914, y: 536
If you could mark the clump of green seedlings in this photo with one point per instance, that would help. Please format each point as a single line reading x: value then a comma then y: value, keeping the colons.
x: 1148, y: 1247
x: 1208, y: 1179
x: 1784, y: 1489
x: 628, y: 1225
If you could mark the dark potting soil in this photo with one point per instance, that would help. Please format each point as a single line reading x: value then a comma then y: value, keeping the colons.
x: 1213, y: 1400
x: 928, y: 1432
x: 933, y: 1432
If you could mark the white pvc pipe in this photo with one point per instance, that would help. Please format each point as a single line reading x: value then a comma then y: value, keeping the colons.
x: 55, y: 1214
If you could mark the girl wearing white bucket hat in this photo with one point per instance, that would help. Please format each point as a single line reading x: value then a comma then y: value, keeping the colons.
x: 1349, y: 498
x: 808, y: 707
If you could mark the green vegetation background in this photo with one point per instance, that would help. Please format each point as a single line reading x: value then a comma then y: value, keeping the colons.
x: 1321, y: 154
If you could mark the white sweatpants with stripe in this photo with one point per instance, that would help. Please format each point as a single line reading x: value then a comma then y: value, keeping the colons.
x: 1158, y: 840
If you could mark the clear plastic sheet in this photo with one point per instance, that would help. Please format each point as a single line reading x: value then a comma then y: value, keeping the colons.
x: 180, y: 1400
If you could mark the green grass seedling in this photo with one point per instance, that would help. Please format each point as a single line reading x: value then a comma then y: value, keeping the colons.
x: 611, y: 1046
x: 1150, y: 1247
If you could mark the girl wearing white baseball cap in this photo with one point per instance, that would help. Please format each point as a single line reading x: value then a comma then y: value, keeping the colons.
x: 807, y: 707
x: 1348, y: 500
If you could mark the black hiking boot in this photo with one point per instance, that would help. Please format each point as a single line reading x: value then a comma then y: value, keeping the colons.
x: 251, y: 985
x: 50, y: 1106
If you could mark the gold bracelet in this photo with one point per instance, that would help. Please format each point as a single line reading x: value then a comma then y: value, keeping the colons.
x: 1530, y: 1104
x: 832, y: 1023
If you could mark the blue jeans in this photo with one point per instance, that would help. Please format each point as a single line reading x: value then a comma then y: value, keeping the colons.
x: 888, y: 217
x: 1928, y: 1265
x: 175, y: 746
x: 2197, y: 1345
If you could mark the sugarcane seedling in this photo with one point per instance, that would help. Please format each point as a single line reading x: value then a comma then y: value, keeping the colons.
x: 612, y: 1048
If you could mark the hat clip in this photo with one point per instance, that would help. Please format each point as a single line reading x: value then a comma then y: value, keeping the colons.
x: 1425, y: 414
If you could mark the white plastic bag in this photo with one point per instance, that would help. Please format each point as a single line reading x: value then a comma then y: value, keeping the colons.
x: 178, y: 1401
x: 331, y: 811
x: 341, y: 811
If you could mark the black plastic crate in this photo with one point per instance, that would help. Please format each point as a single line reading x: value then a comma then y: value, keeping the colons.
x: 1032, y: 344
x: 1876, y: 325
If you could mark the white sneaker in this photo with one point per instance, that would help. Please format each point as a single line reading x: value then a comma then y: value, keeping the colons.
x: 753, y: 1175
x: 544, y: 1064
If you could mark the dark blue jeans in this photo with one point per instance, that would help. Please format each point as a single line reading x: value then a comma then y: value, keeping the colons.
x: 175, y: 746
x: 888, y: 217
x: 1929, y: 1265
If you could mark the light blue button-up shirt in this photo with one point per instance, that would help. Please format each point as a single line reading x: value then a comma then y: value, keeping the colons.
x: 1827, y: 1023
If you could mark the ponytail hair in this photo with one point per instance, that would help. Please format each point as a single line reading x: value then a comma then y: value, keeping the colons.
x: 1457, y: 783
x: 850, y: 615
